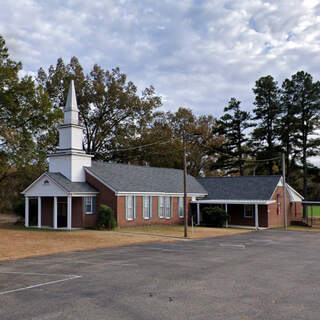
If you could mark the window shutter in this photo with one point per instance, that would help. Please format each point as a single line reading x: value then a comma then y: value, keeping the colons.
x: 150, y: 209
x: 159, y: 207
x: 171, y: 213
x: 127, y: 207
x: 134, y: 208
x: 84, y: 204
x: 94, y: 204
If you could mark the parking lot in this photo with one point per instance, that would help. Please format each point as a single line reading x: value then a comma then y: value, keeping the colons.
x: 269, y: 274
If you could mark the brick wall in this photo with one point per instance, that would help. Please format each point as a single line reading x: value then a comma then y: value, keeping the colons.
x: 237, y: 215
x: 140, y: 221
x: 105, y: 196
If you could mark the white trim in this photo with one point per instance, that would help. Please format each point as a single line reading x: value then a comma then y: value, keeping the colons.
x: 26, y: 212
x: 69, y: 213
x: 39, y: 212
x: 50, y: 178
x: 256, y: 216
x: 295, y: 192
x: 55, y: 212
x: 222, y: 201
x: 157, y: 194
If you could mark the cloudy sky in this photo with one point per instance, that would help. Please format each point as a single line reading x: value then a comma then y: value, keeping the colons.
x: 196, y: 53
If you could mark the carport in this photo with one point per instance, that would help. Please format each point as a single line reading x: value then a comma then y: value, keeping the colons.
x: 241, y: 211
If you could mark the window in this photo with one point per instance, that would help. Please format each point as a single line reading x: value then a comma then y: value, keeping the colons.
x: 180, y: 208
x: 161, y: 207
x: 147, y: 207
x: 168, y: 207
x: 130, y: 207
x: 248, y: 211
x: 89, y: 205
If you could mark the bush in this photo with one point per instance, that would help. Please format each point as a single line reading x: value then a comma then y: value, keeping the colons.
x: 19, y: 210
x: 106, y: 218
x: 215, y: 216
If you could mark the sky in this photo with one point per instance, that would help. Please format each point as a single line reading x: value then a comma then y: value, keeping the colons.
x: 196, y: 53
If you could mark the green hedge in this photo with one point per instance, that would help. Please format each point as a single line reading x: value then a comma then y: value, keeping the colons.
x: 106, y: 218
x: 214, y: 216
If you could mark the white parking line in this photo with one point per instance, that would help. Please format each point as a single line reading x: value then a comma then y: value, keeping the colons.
x: 242, y: 246
x: 71, y: 277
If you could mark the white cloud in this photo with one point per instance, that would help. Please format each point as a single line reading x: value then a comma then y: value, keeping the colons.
x: 196, y: 53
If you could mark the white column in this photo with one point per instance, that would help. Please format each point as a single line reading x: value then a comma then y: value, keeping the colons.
x: 198, y: 213
x: 69, y: 212
x: 226, y: 210
x: 55, y: 213
x: 256, y: 216
x: 26, y: 212
x: 39, y: 212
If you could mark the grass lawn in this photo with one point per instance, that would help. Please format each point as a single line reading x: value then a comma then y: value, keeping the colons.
x: 178, y: 231
x: 314, y: 210
x: 17, y: 242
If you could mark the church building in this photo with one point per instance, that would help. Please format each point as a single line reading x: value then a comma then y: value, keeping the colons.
x: 71, y: 192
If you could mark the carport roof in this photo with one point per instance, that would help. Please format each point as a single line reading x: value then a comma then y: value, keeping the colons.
x: 244, y: 188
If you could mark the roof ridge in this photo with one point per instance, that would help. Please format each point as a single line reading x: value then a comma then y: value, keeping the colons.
x: 257, y: 176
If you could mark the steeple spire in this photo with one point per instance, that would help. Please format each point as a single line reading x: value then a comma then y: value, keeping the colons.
x: 72, y: 99
x: 71, y: 109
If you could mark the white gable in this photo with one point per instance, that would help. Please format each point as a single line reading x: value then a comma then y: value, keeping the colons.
x: 44, y: 186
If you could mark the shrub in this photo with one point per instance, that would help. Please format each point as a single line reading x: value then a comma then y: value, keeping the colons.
x: 215, y: 216
x: 106, y: 218
x: 19, y: 210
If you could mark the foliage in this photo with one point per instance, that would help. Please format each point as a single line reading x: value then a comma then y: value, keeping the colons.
x: 214, y: 216
x: 111, y: 111
x: 106, y: 218
x: 232, y: 126
x: 266, y: 112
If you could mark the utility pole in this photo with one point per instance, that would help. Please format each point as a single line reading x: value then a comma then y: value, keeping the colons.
x: 185, y: 184
x: 284, y: 190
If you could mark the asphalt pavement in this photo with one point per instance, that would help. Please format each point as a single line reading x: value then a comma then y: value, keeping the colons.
x: 268, y: 274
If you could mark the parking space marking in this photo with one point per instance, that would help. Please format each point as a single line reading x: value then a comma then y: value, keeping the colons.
x: 242, y: 246
x: 70, y: 277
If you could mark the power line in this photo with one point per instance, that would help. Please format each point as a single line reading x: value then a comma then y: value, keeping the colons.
x: 139, y: 147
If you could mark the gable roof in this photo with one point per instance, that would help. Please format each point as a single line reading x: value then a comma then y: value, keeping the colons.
x: 74, y: 187
x: 132, y: 178
x: 240, y: 188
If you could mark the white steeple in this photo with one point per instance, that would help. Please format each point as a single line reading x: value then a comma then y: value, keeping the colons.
x: 71, y: 112
x: 70, y: 157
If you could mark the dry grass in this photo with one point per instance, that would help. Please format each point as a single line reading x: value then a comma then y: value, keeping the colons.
x: 178, y: 231
x: 16, y: 243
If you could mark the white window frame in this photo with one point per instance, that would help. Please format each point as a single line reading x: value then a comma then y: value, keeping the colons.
x: 245, y: 213
x: 146, y: 207
x: 127, y: 208
x: 161, y: 213
x: 91, y: 211
x: 180, y: 207
x: 167, y: 209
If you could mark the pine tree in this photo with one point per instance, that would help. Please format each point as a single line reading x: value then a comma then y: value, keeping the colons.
x: 232, y: 126
x: 266, y: 113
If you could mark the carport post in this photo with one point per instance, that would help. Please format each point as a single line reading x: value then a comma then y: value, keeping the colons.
x: 69, y: 212
x: 26, y: 212
x: 198, y: 213
x: 39, y: 212
x: 55, y: 213
x: 256, y: 217
x: 226, y: 210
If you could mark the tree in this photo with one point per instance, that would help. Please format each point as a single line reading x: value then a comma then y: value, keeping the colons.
x: 232, y: 126
x: 304, y: 101
x: 26, y: 121
x: 267, y: 111
x: 111, y: 111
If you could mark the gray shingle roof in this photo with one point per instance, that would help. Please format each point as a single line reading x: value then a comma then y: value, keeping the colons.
x: 240, y: 188
x: 131, y: 178
x: 70, y: 186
